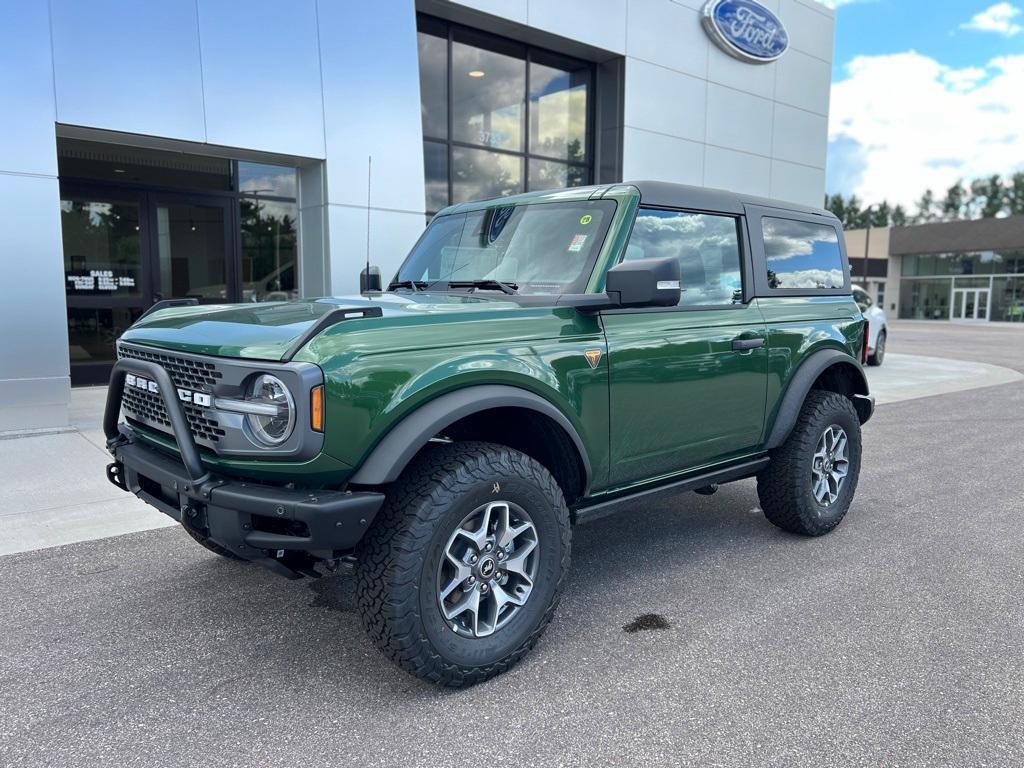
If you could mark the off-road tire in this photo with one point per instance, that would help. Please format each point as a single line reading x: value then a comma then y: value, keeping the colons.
x: 217, y: 549
x: 398, y: 560
x: 785, y: 487
x: 876, y: 357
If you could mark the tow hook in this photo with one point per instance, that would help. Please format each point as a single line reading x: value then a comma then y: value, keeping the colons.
x: 115, y: 474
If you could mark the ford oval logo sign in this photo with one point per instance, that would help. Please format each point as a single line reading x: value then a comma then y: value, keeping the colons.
x: 745, y: 29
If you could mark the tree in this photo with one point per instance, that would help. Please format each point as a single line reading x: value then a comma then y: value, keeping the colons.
x: 1014, y: 194
x: 995, y: 197
x: 954, y: 203
x: 881, y: 214
x: 925, y: 208
x: 899, y: 216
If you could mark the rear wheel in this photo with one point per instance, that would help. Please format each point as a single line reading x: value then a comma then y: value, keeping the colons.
x: 878, y: 355
x: 463, y: 567
x: 809, y: 483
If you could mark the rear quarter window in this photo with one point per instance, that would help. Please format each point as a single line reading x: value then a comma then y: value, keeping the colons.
x: 802, y: 255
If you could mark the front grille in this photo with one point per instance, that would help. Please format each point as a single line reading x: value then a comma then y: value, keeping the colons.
x: 148, y: 408
x: 190, y: 374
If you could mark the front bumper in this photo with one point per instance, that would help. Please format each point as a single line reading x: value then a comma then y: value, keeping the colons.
x: 276, y: 526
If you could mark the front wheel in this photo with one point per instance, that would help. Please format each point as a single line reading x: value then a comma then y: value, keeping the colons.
x: 463, y: 567
x: 809, y: 483
x: 878, y: 355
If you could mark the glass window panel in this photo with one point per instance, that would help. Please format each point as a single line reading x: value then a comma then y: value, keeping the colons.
x: 802, y: 255
x: 191, y: 252
x: 542, y: 249
x: 101, y: 248
x: 478, y: 174
x: 558, y: 112
x: 272, y: 180
x: 92, y: 333
x: 908, y: 265
x: 1008, y: 299
x: 435, y: 166
x: 488, y: 97
x: 706, y: 246
x: 547, y: 174
x: 926, y: 299
x: 269, y: 249
x: 433, y: 53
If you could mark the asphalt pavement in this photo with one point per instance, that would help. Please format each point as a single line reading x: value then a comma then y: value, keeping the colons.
x: 692, y: 632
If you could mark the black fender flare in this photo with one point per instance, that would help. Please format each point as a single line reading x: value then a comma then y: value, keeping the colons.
x: 392, y: 454
x: 800, y: 384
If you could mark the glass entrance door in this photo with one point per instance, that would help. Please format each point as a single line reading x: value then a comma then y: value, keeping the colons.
x: 970, y: 304
x: 126, y: 249
x: 106, y: 276
x: 192, y: 249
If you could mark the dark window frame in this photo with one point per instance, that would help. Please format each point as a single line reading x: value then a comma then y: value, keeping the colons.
x: 447, y: 30
x: 746, y: 263
x: 755, y: 214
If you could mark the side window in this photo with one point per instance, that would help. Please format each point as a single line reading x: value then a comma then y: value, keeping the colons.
x: 862, y: 299
x: 707, y: 247
x: 802, y: 255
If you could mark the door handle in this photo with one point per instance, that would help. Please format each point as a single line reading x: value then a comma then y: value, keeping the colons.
x: 745, y: 345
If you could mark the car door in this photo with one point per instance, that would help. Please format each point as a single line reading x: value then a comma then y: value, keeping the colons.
x: 687, y: 383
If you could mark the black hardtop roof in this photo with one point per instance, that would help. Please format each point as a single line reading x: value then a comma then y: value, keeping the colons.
x: 669, y: 195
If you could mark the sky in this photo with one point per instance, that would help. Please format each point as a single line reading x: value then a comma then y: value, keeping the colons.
x: 924, y: 92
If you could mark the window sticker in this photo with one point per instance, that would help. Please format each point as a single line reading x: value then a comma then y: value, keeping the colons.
x: 585, y: 219
x: 577, y: 243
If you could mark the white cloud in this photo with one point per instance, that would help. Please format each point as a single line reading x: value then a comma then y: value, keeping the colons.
x: 996, y: 18
x: 903, y: 122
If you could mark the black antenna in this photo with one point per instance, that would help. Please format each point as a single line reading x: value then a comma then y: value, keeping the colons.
x: 369, y: 280
x: 369, y: 176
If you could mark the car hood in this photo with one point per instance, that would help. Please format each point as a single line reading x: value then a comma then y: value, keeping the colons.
x: 266, y: 331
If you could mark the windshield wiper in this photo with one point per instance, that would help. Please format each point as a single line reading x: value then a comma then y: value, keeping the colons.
x: 486, y: 285
x: 415, y: 285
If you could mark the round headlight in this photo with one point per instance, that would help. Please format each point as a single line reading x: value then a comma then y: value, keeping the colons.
x: 276, y: 425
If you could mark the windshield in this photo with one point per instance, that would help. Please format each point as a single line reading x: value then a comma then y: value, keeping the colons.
x: 546, y: 248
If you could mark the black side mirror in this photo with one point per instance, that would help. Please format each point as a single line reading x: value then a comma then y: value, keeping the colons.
x: 369, y: 280
x: 644, y: 283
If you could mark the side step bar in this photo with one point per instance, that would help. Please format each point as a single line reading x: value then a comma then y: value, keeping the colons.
x: 696, y: 482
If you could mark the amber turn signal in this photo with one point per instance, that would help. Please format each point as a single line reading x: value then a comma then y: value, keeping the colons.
x: 316, y: 408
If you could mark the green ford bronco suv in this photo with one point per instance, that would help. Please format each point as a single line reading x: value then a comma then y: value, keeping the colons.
x: 535, y: 360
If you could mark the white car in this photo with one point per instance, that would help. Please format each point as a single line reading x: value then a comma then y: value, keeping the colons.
x: 878, y: 328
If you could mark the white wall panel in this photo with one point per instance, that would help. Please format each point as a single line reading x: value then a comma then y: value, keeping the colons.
x: 810, y: 29
x: 798, y: 183
x: 261, y: 76
x: 758, y: 79
x: 655, y: 156
x: 130, y: 67
x: 666, y: 33
x: 804, y: 81
x: 34, y: 360
x: 513, y: 10
x: 799, y: 136
x: 662, y: 100
x: 372, y: 103
x: 737, y: 171
x: 600, y: 23
x: 738, y: 120
x: 392, y: 235
x: 27, y: 143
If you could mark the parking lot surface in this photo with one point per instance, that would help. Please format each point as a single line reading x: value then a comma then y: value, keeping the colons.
x: 896, y: 640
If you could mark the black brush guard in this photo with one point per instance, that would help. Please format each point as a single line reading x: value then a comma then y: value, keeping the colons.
x: 281, y: 528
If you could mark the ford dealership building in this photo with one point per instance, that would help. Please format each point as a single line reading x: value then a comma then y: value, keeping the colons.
x: 195, y: 148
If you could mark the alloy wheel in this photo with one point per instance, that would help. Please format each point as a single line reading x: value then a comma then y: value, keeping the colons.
x: 487, y: 569
x: 830, y: 465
